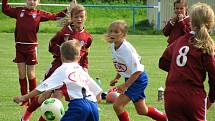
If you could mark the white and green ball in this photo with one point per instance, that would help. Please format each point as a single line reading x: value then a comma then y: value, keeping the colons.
x: 52, y: 109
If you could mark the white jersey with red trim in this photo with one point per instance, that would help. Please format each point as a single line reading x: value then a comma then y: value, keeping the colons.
x: 78, y: 82
x: 126, y: 60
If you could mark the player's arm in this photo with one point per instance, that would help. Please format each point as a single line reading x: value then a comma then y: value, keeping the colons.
x: 165, y: 59
x: 168, y: 27
x: 115, y: 80
x: 123, y: 87
x: 54, y: 44
x: 6, y: 9
x: 31, y: 94
x: 56, y: 16
x: 94, y: 88
x: 185, y: 25
x: 209, y: 64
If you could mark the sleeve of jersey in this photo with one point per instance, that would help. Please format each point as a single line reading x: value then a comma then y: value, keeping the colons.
x: 167, y: 29
x: 136, y: 64
x: 52, y: 16
x: 94, y: 87
x: 54, y: 44
x: 209, y: 64
x: 6, y: 9
x: 165, y: 59
x: 184, y: 25
x: 55, y: 81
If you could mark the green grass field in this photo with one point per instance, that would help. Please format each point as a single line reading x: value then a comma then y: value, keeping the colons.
x: 150, y: 47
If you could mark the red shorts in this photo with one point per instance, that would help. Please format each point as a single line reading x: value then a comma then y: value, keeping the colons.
x: 29, y: 58
x: 185, y: 107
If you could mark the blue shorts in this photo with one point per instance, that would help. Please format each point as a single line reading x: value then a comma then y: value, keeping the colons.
x: 136, y: 91
x: 81, y: 110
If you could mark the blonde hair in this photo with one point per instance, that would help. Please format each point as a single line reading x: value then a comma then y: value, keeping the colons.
x: 121, y: 24
x: 70, y: 50
x: 202, y: 19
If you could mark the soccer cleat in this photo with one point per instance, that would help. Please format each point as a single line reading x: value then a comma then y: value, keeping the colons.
x: 26, y: 116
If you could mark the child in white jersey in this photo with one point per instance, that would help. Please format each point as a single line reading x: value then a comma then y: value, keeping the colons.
x: 82, y: 89
x: 127, y: 63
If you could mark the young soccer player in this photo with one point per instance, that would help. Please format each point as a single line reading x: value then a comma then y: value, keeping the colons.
x: 27, y: 25
x: 82, y: 89
x: 127, y: 63
x: 187, y: 62
x: 179, y: 24
x: 74, y: 30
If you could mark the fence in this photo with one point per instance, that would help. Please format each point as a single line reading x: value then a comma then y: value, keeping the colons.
x: 133, y: 8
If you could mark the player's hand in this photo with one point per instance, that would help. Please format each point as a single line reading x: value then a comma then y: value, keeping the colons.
x: 18, y: 99
x: 174, y: 18
x: 113, y: 82
x: 180, y: 17
x: 121, y: 88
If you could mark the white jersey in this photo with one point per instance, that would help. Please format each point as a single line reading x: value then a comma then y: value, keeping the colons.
x: 126, y: 60
x: 78, y: 82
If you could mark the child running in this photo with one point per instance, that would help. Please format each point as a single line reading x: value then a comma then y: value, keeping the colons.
x: 127, y: 63
x: 73, y: 30
x: 28, y: 19
x: 179, y: 24
x: 187, y: 62
x: 82, y: 90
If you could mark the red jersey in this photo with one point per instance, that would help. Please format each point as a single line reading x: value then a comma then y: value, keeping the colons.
x: 27, y: 24
x: 68, y: 33
x: 177, y: 29
x: 187, y: 67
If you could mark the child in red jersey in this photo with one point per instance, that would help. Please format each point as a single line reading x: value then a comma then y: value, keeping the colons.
x: 72, y: 30
x: 187, y: 62
x: 27, y: 25
x: 178, y: 25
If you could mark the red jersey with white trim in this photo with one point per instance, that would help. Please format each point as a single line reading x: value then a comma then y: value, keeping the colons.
x: 68, y: 33
x: 187, y: 67
x: 27, y: 24
x: 177, y: 29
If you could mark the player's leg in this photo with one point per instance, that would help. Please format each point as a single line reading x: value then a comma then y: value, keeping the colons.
x: 22, y: 80
x: 119, y: 105
x: 143, y: 109
x: 94, y: 113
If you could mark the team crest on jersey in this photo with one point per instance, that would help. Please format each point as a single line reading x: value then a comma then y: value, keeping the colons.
x: 120, y: 67
x: 34, y: 15
x: 82, y: 43
x: 22, y: 13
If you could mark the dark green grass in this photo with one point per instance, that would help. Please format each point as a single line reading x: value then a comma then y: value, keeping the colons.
x: 150, y: 47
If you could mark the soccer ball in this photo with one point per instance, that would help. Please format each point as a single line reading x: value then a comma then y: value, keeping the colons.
x: 111, y: 97
x: 52, y: 109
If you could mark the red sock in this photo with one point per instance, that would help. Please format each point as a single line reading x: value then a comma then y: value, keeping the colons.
x: 41, y: 119
x: 156, y: 114
x: 124, y: 116
x: 32, y: 84
x: 33, y: 105
x: 23, y: 86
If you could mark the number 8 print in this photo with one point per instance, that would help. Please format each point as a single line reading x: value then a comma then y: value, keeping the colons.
x: 182, y: 54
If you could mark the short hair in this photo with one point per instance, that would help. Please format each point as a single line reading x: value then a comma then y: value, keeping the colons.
x: 70, y: 50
